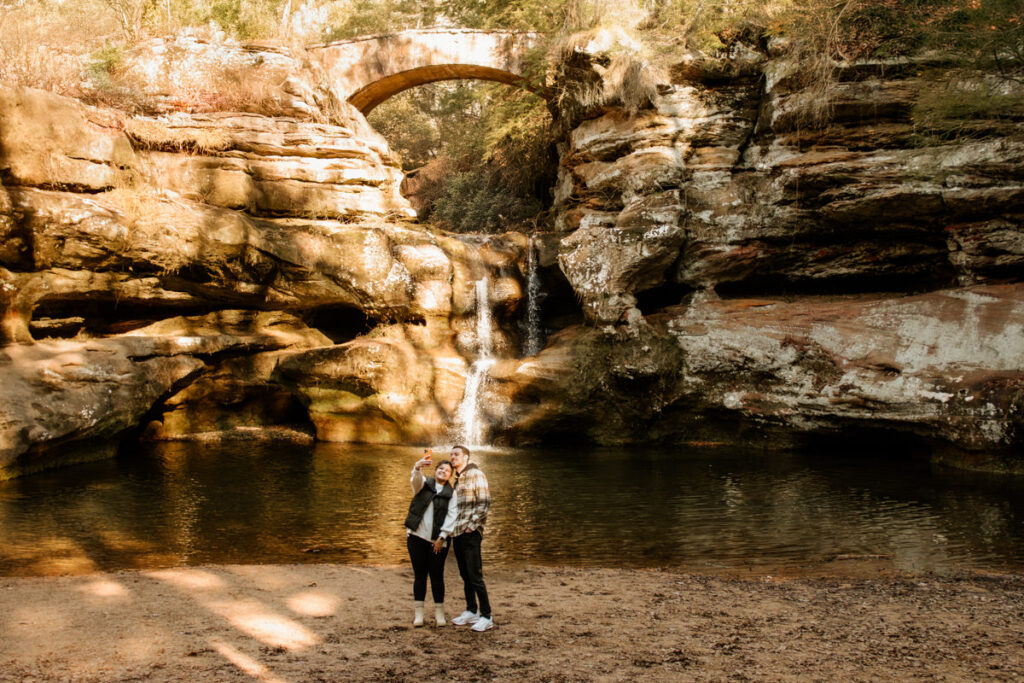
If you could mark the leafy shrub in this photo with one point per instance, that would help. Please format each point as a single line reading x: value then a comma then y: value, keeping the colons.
x: 966, y: 104
x: 489, y: 146
x: 101, y: 70
x: 471, y: 202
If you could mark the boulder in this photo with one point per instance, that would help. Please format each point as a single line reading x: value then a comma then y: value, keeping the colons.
x: 401, y: 384
x: 235, y: 397
x: 51, y: 141
x: 608, y: 265
x: 69, y: 398
x: 946, y: 366
x: 58, y: 395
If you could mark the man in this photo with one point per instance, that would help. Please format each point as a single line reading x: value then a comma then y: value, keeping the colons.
x: 473, y: 500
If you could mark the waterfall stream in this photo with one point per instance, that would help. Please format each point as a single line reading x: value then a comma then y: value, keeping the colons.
x: 534, y: 334
x: 469, y: 413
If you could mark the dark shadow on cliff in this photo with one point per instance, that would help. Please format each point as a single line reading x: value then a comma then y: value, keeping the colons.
x: 340, y: 323
x: 63, y: 318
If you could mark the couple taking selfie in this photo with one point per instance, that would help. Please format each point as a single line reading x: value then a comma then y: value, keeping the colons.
x: 449, y: 509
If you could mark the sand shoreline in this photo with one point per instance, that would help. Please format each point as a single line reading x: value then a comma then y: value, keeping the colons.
x: 340, y: 622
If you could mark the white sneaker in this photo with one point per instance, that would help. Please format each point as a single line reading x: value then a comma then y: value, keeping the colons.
x: 483, y: 623
x: 466, y: 617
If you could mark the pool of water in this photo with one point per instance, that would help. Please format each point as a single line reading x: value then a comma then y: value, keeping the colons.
x: 700, y: 509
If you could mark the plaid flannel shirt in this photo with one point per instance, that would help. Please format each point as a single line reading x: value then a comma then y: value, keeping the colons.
x: 474, y: 498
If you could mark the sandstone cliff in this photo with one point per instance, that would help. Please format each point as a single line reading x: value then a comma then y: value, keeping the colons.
x: 176, y: 225
x: 725, y: 267
x: 752, y: 274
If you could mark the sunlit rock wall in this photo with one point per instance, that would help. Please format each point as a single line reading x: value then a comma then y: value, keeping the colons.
x: 141, y: 255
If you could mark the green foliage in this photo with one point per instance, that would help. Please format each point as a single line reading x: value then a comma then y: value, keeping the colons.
x: 132, y: 15
x: 420, y: 122
x: 241, y: 19
x: 352, y: 18
x: 553, y: 16
x: 843, y: 29
x: 517, y: 139
x: 966, y: 104
x: 410, y: 127
x: 101, y: 68
x: 470, y: 202
x: 491, y: 142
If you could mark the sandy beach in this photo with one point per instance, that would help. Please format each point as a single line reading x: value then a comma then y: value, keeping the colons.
x: 336, y: 622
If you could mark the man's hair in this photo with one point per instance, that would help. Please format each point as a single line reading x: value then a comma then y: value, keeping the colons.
x: 462, y: 448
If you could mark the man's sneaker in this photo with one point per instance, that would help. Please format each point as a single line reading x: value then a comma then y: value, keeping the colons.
x: 483, y: 623
x: 466, y: 617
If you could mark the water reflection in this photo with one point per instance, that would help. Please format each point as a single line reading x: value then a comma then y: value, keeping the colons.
x: 188, y: 504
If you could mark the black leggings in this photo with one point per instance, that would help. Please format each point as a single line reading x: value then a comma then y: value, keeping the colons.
x: 425, y: 562
x: 467, y: 553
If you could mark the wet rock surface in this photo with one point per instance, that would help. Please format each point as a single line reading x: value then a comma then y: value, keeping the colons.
x: 400, y: 385
x: 61, y: 392
x: 944, y: 366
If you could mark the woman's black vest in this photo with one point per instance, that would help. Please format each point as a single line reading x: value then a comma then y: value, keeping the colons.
x: 420, y: 502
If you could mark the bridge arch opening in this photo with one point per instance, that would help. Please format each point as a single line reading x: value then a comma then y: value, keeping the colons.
x: 475, y: 145
x: 373, y: 68
x: 368, y: 97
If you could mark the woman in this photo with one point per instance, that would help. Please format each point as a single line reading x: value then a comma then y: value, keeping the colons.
x: 433, y: 505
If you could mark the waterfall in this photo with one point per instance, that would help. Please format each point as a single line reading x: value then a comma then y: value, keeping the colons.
x: 469, y: 413
x: 484, y: 340
x: 534, y: 334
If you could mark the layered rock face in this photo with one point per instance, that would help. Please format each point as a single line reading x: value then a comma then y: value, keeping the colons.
x: 731, y: 262
x: 751, y: 273
x: 725, y: 183
x: 140, y: 257
x: 943, y: 366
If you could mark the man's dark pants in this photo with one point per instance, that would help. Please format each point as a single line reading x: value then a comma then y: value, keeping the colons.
x: 467, y: 554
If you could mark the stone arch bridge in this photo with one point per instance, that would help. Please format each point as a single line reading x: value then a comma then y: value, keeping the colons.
x: 374, y: 68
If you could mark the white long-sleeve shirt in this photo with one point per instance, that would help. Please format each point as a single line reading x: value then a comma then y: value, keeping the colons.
x: 426, y: 527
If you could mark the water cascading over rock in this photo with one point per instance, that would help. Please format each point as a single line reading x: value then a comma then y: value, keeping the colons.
x: 534, y: 333
x: 470, y: 417
x: 228, y: 217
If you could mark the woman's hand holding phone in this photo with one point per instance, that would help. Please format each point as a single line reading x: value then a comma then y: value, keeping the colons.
x: 426, y: 460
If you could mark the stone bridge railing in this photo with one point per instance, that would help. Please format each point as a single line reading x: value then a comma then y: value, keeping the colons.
x: 374, y: 68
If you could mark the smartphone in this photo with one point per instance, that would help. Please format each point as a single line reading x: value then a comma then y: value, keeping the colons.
x: 427, y: 454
